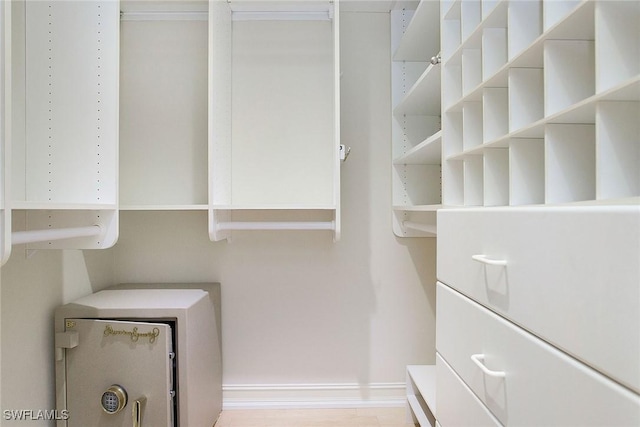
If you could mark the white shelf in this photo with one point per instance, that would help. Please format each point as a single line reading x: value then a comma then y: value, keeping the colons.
x: 418, y: 208
x: 421, y: 394
x: 416, y: 137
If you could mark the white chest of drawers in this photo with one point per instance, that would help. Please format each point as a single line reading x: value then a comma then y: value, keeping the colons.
x: 549, y: 297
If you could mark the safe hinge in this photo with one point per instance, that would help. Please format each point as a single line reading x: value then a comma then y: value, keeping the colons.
x: 69, y: 339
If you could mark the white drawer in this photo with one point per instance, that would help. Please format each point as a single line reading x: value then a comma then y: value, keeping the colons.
x: 572, y: 276
x: 541, y: 385
x: 456, y: 404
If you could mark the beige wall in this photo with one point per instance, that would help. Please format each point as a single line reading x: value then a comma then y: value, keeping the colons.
x: 297, y: 308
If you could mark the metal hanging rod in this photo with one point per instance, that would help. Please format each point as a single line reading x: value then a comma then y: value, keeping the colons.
x: 165, y: 16
x: 275, y: 225
x: 281, y: 16
x: 49, y: 234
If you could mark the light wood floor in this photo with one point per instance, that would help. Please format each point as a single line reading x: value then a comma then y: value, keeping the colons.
x: 364, y: 417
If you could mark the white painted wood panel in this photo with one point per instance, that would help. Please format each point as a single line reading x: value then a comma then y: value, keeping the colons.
x: 457, y: 406
x: 522, y: 379
x: 571, y: 278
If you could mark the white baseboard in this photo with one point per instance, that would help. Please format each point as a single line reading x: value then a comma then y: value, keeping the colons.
x: 300, y: 396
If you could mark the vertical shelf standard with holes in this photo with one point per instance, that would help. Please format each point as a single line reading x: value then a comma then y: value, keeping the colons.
x: 274, y: 117
x: 64, y: 143
x: 416, y: 137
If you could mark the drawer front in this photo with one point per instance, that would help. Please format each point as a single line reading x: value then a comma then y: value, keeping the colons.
x: 572, y: 276
x: 520, y: 378
x: 456, y: 404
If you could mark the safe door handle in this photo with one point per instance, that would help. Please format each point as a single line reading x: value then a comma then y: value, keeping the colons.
x: 484, y: 260
x: 478, y: 359
x: 138, y: 410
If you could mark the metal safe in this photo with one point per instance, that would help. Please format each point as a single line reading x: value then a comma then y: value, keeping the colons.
x: 140, y: 355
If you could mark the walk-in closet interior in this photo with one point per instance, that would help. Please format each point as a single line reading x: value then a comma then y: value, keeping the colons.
x: 420, y: 204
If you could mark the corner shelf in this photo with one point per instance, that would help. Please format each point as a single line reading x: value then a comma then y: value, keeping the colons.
x: 417, y: 139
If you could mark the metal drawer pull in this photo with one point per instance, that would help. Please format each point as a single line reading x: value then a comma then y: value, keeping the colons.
x: 484, y: 260
x: 478, y: 359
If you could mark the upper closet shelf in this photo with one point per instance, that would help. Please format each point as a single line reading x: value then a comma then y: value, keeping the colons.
x: 421, y: 39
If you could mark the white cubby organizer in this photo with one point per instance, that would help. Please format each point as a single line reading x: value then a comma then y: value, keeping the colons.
x: 541, y: 102
x: 274, y: 97
x: 540, y: 107
x: 64, y: 123
x: 416, y: 100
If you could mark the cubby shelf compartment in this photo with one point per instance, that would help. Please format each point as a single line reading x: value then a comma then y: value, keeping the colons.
x: 526, y: 172
x: 569, y: 73
x: 617, y: 150
x: 274, y: 115
x: 416, y: 137
x: 617, y: 54
x: 569, y: 163
x: 421, y: 395
x: 496, y: 177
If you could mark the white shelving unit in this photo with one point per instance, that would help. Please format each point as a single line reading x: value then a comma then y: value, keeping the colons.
x: 163, y: 124
x: 416, y: 139
x: 539, y: 95
x: 64, y: 120
x: 273, y: 116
